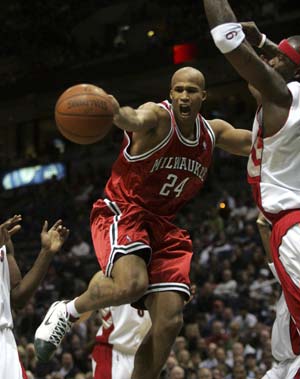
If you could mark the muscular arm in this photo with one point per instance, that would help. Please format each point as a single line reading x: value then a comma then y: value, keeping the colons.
x: 246, y: 62
x: 23, y: 288
x: 137, y: 120
x: 234, y: 141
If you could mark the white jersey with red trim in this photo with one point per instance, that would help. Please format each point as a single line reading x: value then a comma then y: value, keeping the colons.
x: 124, y: 327
x: 273, y: 166
x: 6, y: 320
x: 284, y: 333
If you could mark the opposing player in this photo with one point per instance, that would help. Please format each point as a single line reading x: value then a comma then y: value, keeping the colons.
x: 145, y: 258
x: 16, y: 291
x: 284, y: 333
x: 274, y: 160
x: 121, y: 333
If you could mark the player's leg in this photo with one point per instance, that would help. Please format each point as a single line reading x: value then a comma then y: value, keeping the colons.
x: 10, y: 366
x: 128, y: 282
x: 286, y: 253
x: 165, y: 309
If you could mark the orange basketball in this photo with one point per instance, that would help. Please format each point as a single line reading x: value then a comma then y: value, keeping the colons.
x: 84, y: 114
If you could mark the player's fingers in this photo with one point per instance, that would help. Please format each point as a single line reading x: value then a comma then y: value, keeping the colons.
x: 57, y: 225
x: 14, y: 230
x: 45, y: 226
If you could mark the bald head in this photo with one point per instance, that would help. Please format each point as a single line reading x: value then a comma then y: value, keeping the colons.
x: 188, y: 74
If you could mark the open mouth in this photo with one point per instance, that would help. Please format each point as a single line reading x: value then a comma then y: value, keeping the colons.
x: 185, y: 110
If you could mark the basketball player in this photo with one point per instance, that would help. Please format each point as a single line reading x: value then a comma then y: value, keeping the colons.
x: 145, y: 258
x: 122, y: 331
x: 17, y: 291
x: 284, y: 335
x: 273, y: 167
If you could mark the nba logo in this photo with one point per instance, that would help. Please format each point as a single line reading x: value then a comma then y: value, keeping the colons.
x: 1, y: 255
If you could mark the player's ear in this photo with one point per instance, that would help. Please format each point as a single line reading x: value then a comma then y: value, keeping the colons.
x: 204, y: 95
x: 297, y: 73
x: 171, y: 97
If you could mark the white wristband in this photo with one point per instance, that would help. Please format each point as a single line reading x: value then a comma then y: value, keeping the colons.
x: 262, y: 41
x: 228, y: 37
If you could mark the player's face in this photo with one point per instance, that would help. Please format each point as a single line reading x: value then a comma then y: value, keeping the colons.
x: 283, y: 65
x: 187, y: 98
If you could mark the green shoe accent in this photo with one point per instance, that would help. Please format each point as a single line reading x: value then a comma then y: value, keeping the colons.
x: 44, y: 350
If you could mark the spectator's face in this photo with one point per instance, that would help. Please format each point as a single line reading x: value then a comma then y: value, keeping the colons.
x: 204, y: 373
x: 217, y: 374
x: 177, y: 373
x: 67, y: 360
x: 239, y: 372
x: 220, y: 355
x: 171, y: 362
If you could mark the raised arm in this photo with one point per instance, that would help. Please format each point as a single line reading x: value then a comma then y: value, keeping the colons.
x: 234, y: 141
x: 51, y: 242
x: 243, y: 57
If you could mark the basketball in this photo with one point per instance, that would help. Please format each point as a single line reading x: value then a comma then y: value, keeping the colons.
x: 84, y: 114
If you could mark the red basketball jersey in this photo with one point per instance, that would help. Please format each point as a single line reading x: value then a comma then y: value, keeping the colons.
x: 164, y: 178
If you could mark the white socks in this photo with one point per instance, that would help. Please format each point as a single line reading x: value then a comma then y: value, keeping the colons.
x: 71, y: 309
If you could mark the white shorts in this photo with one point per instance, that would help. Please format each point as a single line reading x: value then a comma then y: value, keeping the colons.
x: 289, y: 369
x: 109, y: 363
x: 10, y: 366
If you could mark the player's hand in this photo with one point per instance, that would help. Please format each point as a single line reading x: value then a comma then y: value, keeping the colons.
x: 115, y: 105
x: 53, y: 239
x: 252, y: 32
x: 193, y: 291
x: 8, y: 229
x: 261, y: 221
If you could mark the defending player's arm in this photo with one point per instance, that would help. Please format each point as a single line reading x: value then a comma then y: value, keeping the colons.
x: 264, y: 229
x: 51, y: 242
x: 136, y: 120
x: 230, y: 39
x: 259, y: 40
x: 234, y: 141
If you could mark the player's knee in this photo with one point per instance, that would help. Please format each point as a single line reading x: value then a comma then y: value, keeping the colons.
x: 137, y: 287
x: 170, y: 325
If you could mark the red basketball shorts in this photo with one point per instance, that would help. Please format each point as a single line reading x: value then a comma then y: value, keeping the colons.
x: 167, y: 249
x: 285, y: 247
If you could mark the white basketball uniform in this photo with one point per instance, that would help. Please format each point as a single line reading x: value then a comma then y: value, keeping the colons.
x: 10, y: 366
x: 122, y: 331
x: 282, y: 342
x: 273, y: 172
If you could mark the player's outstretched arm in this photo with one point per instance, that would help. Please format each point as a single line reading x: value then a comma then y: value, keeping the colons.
x: 234, y: 141
x: 229, y: 37
x: 135, y: 120
x: 51, y: 242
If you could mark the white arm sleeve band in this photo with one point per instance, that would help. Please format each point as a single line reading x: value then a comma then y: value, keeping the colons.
x: 274, y: 272
x: 228, y: 37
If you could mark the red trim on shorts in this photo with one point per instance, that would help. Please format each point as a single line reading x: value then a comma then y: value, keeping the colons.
x: 102, y: 352
x: 291, y: 291
x: 297, y: 376
x: 102, y: 355
x: 24, y: 375
x: 295, y: 339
